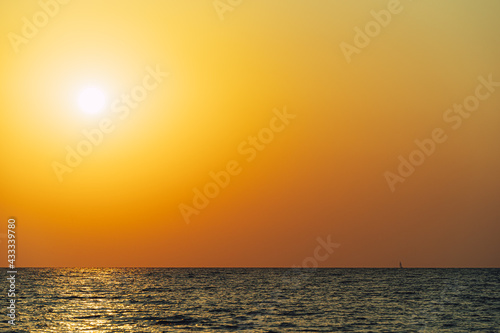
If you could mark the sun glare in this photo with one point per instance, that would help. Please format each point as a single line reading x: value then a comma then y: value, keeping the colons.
x: 91, y: 100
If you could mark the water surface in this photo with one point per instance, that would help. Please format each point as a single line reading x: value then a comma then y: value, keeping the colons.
x: 256, y: 300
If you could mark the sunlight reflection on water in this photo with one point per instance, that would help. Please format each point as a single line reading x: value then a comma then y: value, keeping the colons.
x: 254, y: 300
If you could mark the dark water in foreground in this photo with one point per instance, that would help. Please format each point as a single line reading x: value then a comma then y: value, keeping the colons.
x: 256, y: 300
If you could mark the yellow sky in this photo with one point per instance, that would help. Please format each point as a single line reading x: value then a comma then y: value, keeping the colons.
x: 239, y: 135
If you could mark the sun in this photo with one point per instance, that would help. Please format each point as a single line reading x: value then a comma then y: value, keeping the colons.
x: 92, y: 100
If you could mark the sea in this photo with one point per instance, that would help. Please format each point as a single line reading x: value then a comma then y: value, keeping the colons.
x: 254, y: 300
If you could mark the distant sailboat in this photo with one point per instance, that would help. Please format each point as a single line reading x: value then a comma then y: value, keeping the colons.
x: 400, y: 266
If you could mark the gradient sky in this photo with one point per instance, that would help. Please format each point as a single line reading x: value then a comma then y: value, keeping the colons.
x: 322, y: 175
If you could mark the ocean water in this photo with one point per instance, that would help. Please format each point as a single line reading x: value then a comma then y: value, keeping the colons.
x: 255, y: 300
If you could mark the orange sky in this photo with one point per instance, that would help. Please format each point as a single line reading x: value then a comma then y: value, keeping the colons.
x: 290, y: 118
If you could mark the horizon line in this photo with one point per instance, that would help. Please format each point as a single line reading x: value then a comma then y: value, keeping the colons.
x: 256, y: 267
